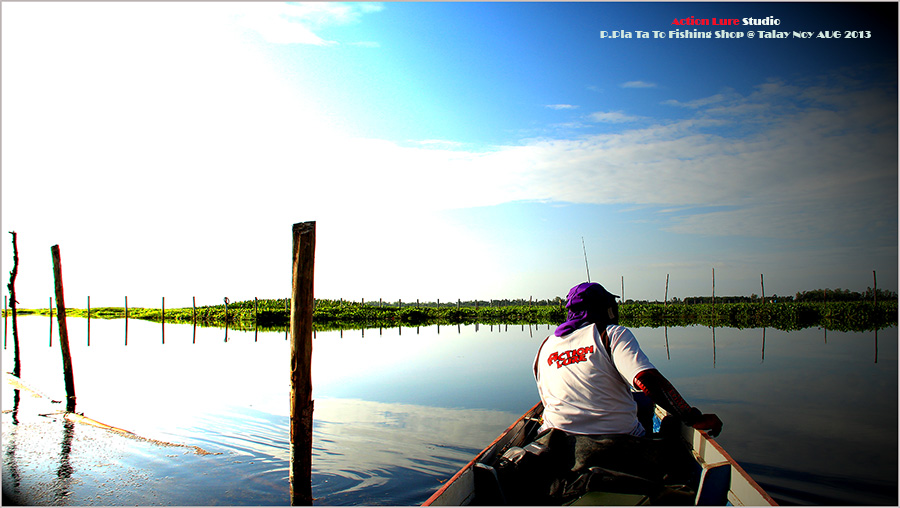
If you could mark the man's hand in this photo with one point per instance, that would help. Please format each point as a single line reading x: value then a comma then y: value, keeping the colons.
x: 710, y: 423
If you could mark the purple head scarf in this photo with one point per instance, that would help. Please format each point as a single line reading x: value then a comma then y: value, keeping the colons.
x: 586, y: 303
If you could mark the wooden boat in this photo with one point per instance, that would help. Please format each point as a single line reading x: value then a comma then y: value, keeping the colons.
x: 716, y: 478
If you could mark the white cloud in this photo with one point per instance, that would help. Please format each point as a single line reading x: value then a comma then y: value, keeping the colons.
x: 298, y: 23
x: 638, y: 84
x: 785, y: 160
x: 702, y: 102
x: 561, y: 106
x: 612, y: 117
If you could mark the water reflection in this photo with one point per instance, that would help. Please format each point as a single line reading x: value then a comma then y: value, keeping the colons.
x: 12, y: 478
x: 792, y: 407
x: 436, y: 442
x: 64, y: 471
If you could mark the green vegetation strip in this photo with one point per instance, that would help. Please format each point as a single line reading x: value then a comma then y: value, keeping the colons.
x: 270, y: 315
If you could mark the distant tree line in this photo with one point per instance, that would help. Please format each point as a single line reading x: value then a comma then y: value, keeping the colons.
x: 844, y: 295
x: 815, y: 295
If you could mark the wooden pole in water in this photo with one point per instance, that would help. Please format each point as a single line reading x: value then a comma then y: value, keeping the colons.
x: 304, y: 248
x: 666, y: 298
x: 874, y: 289
x: 17, y: 366
x: 63, y: 332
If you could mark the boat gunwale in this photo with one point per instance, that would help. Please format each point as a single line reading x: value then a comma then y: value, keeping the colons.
x: 736, y: 467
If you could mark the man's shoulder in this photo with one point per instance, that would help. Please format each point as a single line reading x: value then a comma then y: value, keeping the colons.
x: 619, y: 333
x: 617, y: 329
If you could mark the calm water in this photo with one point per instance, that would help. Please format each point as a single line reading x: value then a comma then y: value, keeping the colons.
x: 812, y: 415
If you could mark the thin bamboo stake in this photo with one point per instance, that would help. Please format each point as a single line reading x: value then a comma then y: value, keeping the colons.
x: 63, y: 332
x: 302, y: 302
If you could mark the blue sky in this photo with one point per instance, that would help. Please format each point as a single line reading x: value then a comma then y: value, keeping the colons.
x: 445, y: 150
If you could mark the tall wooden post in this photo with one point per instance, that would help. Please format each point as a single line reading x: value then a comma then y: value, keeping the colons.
x: 304, y: 248
x: 89, y: 321
x: 874, y: 289
x: 762, y: 288
x: 17, y: 365
x: 63, y: 332
x: 666, y: 297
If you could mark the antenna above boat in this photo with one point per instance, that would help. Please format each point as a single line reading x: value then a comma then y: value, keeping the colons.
x: 588, y: 270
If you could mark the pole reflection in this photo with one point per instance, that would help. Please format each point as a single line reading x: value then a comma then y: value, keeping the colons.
x: 12, y: 477
x: 65, y: 470
x: 668, y: 355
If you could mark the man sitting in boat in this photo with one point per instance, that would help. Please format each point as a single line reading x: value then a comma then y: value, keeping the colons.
x: 585, y: 373
x: 585, y: 390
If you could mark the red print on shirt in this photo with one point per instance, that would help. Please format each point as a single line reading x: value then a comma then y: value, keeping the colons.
x: 569, y: 357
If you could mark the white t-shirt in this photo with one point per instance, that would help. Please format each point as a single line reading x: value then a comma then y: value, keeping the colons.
x: 581, y: 390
